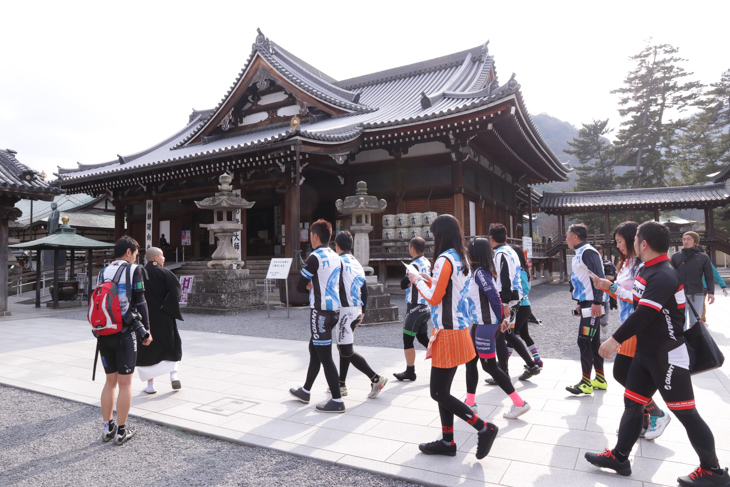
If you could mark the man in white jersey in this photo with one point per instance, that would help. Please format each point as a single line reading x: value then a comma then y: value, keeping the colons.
x: 354, y: 298
x: 589, y: 308
x: 321, y: 276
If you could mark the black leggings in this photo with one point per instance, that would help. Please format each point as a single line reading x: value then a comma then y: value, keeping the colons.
x: 621, y: 368
x: 504, y: 339
x: 322, y: 355
x: 521, y: 324
x: 348, y: 356
x: 490, y: 366
x: 449, y: 406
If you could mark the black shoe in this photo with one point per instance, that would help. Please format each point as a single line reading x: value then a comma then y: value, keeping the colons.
x: 300, y: 394
x: 438, y: 448
x: 485, y: 440
x: 331, y: 406
x: 405, y: 375
x: 701, y: 477
x: 176, y: 384
x: 608, y: 460
x: 530, y: 372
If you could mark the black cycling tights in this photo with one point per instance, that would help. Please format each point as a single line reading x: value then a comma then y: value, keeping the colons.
x: 449, y: 406
x: 699, y: 434
x: 490, y: 366
x: 349, y: 356
x: 408, y: 340
x: 322, y: 355
x: 504, y: 339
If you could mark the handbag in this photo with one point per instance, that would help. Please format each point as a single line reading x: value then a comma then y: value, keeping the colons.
x: 704, y: 354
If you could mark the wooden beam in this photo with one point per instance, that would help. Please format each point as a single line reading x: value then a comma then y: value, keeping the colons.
x: 4, y: 263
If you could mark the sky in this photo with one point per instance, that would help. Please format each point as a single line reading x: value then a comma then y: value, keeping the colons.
x: 84, y: 81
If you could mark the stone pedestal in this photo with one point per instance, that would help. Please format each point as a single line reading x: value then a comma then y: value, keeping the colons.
x: 224, y: 291
x: 379, y: 308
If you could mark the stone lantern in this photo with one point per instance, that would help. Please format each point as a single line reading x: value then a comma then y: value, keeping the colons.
x: 224, y: 205
x: 361, y: 207
x: 225, y: 288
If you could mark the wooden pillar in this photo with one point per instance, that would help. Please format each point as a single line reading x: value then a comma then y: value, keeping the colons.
x: 4, y: 263
x: 457, y: 176
x: 119, y: 211
x: 459, y: 210
x: 656, y: 214
x: 607, y: 236
x: 710, y: 229
x: 55, y: 278
x: 156, y: 223
x: 292, y: 216
x: 529, y: 208
x: 71, y: 272
x: 38, y: 278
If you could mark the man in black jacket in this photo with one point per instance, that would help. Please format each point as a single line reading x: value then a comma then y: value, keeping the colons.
x: 692, y: 264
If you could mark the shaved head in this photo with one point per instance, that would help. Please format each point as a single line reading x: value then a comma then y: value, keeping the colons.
x: 152, y: 252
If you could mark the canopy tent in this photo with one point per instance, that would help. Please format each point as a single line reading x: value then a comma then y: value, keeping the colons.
x: 64, y: 239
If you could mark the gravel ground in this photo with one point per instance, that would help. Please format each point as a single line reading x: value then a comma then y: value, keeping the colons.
x: 51, y: 441
x: 54, y: 442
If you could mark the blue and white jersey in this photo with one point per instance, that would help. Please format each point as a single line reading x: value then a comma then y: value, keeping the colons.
x: 323, y: 268
x: 506, y: 255
x: 353, y: 278
x: 586, y: 255
x: 485, y: 307
x: 414, y: 297
x: 625, y: 285
x: 449, y: 311
x: 107, y: 275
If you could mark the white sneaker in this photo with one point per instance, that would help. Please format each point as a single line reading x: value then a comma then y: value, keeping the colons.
x: 516, y: 411
x: 657, y: 426
x: 377, y: 387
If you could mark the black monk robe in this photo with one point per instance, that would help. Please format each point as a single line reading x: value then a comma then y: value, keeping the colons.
x: 162, y: 292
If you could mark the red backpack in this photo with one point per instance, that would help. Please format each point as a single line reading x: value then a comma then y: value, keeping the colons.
x: 105, y: 311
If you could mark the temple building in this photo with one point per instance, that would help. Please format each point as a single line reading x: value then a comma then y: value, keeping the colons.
x: 443, y: 136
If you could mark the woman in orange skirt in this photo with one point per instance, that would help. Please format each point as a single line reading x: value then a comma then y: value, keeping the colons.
x: 655, y: 420
x: 446, y: 291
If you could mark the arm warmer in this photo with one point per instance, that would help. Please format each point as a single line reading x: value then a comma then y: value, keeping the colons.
x: 506, y: 292
x: 435, y: 293
x: 364, y: 296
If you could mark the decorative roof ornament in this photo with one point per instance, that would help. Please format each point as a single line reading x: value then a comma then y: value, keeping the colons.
x: 485, y: 52
x: 295, y: 122
x: 341, y: 159
x: 262, y: 42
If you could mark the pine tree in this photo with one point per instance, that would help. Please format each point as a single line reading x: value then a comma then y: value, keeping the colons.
x: 652, y: 91
x: 703, y: 143
x: 593, y: 152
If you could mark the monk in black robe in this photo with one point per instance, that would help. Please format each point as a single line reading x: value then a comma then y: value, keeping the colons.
x: 162, y: 292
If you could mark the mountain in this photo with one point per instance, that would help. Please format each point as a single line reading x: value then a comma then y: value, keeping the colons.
x: 557, y: 133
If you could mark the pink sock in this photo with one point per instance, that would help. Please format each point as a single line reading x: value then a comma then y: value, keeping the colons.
x: 470, y: 399
x: 517, y: 399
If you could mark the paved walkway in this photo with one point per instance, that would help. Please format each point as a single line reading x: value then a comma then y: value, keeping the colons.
x: 235, y: 388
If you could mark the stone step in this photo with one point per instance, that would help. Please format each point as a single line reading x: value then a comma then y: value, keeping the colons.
x: 223, y: 286
x: 374, y: 302
x: 237, y: 300
x: 380, y: 315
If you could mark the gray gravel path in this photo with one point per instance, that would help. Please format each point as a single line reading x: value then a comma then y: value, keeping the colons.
x: 53, y: 442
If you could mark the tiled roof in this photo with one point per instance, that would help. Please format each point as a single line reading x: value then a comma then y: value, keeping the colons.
x: 710, y: 195
x: 20, y: 180
x: 431, y: 90
x: 723, y: 175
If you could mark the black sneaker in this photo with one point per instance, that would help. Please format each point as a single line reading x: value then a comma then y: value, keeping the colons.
x: 608, y: 460
x: 530, y: 372
x: 701, y: 478
x: 300, y: 394
x: 124, y: 437
x: 108, y: 434
x: 405, y: 375
x: 438, y: 448
x: 331, y: 406
x: 485, y: 440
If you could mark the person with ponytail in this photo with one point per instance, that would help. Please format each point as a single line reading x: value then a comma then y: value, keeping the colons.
x: 450, y: 344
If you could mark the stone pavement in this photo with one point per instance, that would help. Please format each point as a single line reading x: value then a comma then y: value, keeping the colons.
x: 235, y: 388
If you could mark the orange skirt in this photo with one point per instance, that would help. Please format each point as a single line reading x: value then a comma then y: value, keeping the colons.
x: 452, y: 348
x: 628, y: 347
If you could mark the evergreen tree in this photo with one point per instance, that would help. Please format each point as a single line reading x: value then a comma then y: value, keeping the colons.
x: 593, y: 151
x: 703, y: 143
x: 653, y: 90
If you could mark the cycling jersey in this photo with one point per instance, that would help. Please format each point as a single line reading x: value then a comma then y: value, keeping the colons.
x: 658, y: 321
x: 447, y: 293
x: 507, y: 266
x: 353, y: 291
x: 583, y: 289
x: 323, y: 268
x: 484, y: 304
x: 412, y: 295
